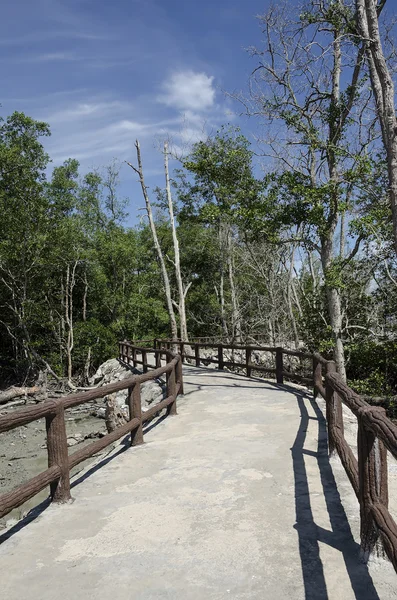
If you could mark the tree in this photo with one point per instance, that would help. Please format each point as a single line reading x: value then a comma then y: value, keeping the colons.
x: 164, y: 273
x: 23, y: 227
x: 182, y: 290
x: 368, y: 12
x: 308, y: 92
x: 221, y: 168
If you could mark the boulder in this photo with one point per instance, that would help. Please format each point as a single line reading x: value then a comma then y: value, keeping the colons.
x: 115, y: 409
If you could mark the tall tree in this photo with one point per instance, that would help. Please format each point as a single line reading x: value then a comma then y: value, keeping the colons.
x: 182, y: 289
x: 223, y: 179
x: 368, y: 12
x: 164, y: 272
x: 308, y: 92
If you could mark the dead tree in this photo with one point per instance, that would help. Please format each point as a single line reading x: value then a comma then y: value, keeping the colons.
x: 163, y: 268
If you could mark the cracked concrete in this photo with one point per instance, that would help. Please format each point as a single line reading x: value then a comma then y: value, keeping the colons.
x: 233, y: 498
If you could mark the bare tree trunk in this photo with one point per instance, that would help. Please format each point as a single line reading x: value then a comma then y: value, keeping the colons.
x: 222, y: 285
x: 181, y: 290
x: 327, y: 240
x: 334, y: 307
x: 236, y: 320
x: 88, y: 359
x: 289, y: 296
x: 383, y: 87
x: 85, y: 296
x: 164, y: 273
x: 70, y: 283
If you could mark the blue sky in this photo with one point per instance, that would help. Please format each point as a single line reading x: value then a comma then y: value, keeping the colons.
x: 105, y: 73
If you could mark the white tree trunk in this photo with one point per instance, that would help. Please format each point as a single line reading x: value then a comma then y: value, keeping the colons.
x: 236, y: 319
x: 181, y: 290
x: 69, y: 287
x: 164, y: 273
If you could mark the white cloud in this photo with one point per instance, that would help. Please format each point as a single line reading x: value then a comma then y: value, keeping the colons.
x: 187, y: 90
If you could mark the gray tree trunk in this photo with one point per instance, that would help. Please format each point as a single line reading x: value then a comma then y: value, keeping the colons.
x: 383, y: 88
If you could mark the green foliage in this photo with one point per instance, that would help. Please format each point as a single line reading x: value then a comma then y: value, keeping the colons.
x: 223, y: 180
x: 372, y: 367
x: 68, y: 263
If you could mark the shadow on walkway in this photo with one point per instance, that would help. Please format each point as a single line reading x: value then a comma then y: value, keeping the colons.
x: 310, y: 534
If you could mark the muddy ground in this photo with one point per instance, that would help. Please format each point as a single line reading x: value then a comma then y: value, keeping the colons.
x: 23, y: 451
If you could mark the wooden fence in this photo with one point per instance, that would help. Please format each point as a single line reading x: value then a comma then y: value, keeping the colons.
x: 368, y: 473
x: 279, y: 369
x: 57, y: 476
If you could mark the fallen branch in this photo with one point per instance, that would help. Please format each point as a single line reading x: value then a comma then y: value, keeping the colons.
x: 16, y: 392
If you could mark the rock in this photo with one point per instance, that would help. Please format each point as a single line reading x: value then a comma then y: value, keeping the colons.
x: 100, y: 413
x: 116, y: 414
x: 116, y: 411
x: 110, y: 371
x: 75, y: 439
x: 152, y: 392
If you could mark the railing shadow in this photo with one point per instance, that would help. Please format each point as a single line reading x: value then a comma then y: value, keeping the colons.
x: 310, y: 534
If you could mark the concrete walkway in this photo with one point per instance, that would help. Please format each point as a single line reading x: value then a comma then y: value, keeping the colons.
x: 233, y: 498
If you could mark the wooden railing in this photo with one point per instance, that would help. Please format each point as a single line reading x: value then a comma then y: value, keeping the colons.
x: 279, y: 369
x: 57, y: 476
x: 368, y: 473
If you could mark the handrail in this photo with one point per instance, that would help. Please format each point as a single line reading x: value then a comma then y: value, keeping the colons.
x: 57, y: 476
x: 248, y: 366
x: 368, y: 474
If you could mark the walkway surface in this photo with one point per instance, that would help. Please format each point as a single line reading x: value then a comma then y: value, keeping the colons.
x: 233, y: 498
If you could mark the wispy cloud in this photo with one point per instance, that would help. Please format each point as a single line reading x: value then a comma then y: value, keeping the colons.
x: 101, y: 127
x: 38, y: 37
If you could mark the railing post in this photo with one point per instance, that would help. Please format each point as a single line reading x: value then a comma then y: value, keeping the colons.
x: 135, y: 406
x: 144, y: 360
x: 220, y: 357
x: 158, y: 359
x: 171, y: 391
x: 279, y: 365
x: 57, y: 449
x: 248, y: 361
x: 373, y: 483
x: 197, y: 354
x: 179, y: 376
x: 317, y: 376
x: 334, y: 413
